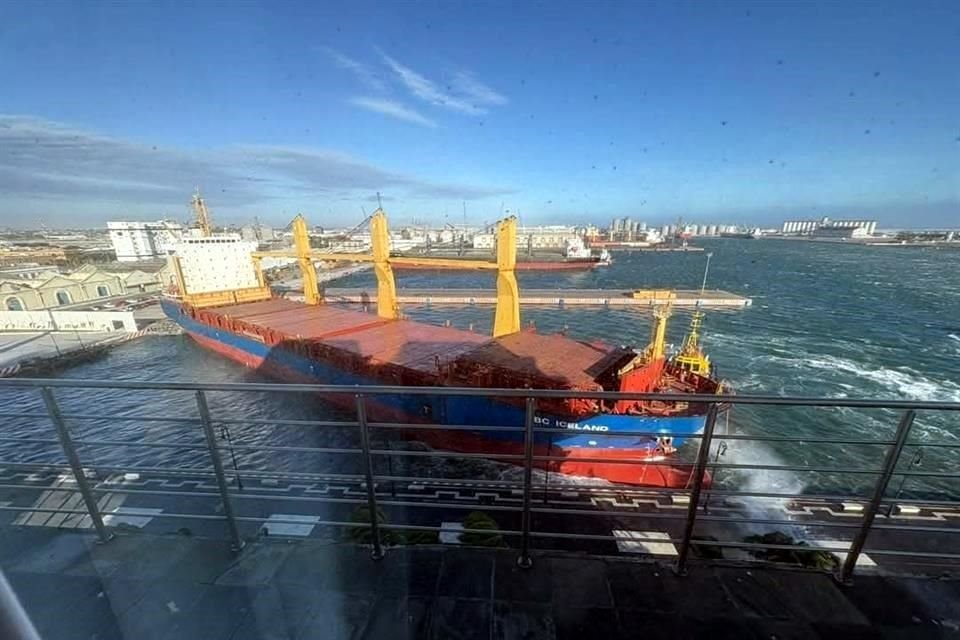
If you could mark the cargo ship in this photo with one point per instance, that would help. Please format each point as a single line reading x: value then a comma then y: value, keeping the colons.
x: 315, y: 342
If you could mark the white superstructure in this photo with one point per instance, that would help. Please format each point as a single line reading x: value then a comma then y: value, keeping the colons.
x: 217, y: 263
x: 135, y: 241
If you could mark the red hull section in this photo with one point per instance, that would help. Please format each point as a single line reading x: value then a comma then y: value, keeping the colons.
x: 628, y: 467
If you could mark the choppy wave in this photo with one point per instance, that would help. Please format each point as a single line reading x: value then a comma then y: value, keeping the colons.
x: 904, y: 381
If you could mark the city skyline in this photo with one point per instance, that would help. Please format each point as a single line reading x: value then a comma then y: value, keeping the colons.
x: 748, y: 113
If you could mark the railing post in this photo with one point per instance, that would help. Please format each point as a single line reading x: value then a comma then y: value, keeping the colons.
x: 63, y: 434
x: 215, y: 460
x: 525, y: 561
x: 368, y: 472
x: 699, y: 470
x: 880, y: 489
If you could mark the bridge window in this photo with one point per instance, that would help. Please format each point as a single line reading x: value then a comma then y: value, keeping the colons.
x: 63, y: 297
x: 103, y: 291
x: 14, y: 304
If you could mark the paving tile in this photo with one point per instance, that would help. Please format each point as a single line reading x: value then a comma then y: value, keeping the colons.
x: 813, y: 596
x: 526, y: 620
x: 306, y: 565
x: 846, y: 631
x: 152, y: 556
x: 216, y: 615
x: 576, y: 623
x: 580, y: 582
x: 161, y: 607
x: 456, y: 619
x: 91, y: 617
x: 15, y: 542
x: 940, y: 598
x: 671, y: 626
x: 256, y: 564
x: 57, y: 555
x: 47, y: 598
x: 337, y: 616
x: 513, y: 584
x: 278, y: 612
x: 354, y: 571
x: 410, y: 572
x: 652, y: 587
x: 399, y: 619
x: 122, y: 593
x: 466, y: 573
x: 889, y: 602
x: 204, y: 561
x: 752, y: 597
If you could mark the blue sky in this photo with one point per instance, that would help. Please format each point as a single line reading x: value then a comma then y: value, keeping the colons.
x: 559, y: 111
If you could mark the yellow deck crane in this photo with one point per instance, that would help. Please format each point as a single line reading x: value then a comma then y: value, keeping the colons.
x: 202, y: 215
x: 506, y: 317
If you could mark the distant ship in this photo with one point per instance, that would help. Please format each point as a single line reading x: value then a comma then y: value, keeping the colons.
x: 321, y: 343
x: 743, y: 235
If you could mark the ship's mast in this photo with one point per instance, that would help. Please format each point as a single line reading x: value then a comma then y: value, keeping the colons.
x: 201, y: 213
x: 691, y: 356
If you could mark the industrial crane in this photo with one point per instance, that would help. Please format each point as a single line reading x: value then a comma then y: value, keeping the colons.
x: 202, y: 215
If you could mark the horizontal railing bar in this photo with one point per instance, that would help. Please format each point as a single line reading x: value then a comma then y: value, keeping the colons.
x: 661, y: 461
x: 484, y: 392
x: 777, y: 521
x: 84, y: 512
x: 926, y: 474
x: 286, y: 423
x: 135, y: 418
x: 31, y: 440
x: 715, y: 465
x: 888, y: 502
x: 586, y: 536
x: 446, y: 454
x: 917, y: 528
x: 810, y: 439
x: 722, y: 493
x: 25, y: 415
x: 788, y: 467
x: 266, y: 447
x: 146, y: 445
x: 37, y: 465
x: 39, y: 487
x: 918, y: 554
x: 186, y: 471
x: 760, y: 545
x: 442, y: 427
x: 610, y: 514
x: 466, y: 482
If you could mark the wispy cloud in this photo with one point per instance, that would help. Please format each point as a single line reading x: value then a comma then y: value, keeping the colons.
x: 72, y: 175
x: 431, y: 92
x: 393, y: 110
x: 364, y: 73
x: 466, y: 84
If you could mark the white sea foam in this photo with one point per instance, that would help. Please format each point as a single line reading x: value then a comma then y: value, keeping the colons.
x: 904, y: 381
x: 759, y: 481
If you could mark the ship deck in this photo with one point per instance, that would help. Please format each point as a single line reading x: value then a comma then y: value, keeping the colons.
x: 555, y: 359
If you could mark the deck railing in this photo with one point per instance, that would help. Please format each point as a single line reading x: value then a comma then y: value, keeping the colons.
x: 685, y: 510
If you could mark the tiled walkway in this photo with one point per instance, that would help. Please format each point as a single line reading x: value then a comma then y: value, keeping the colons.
x: 144, y: 587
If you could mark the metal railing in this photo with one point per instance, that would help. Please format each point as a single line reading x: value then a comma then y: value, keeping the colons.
x: 693, y: 500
